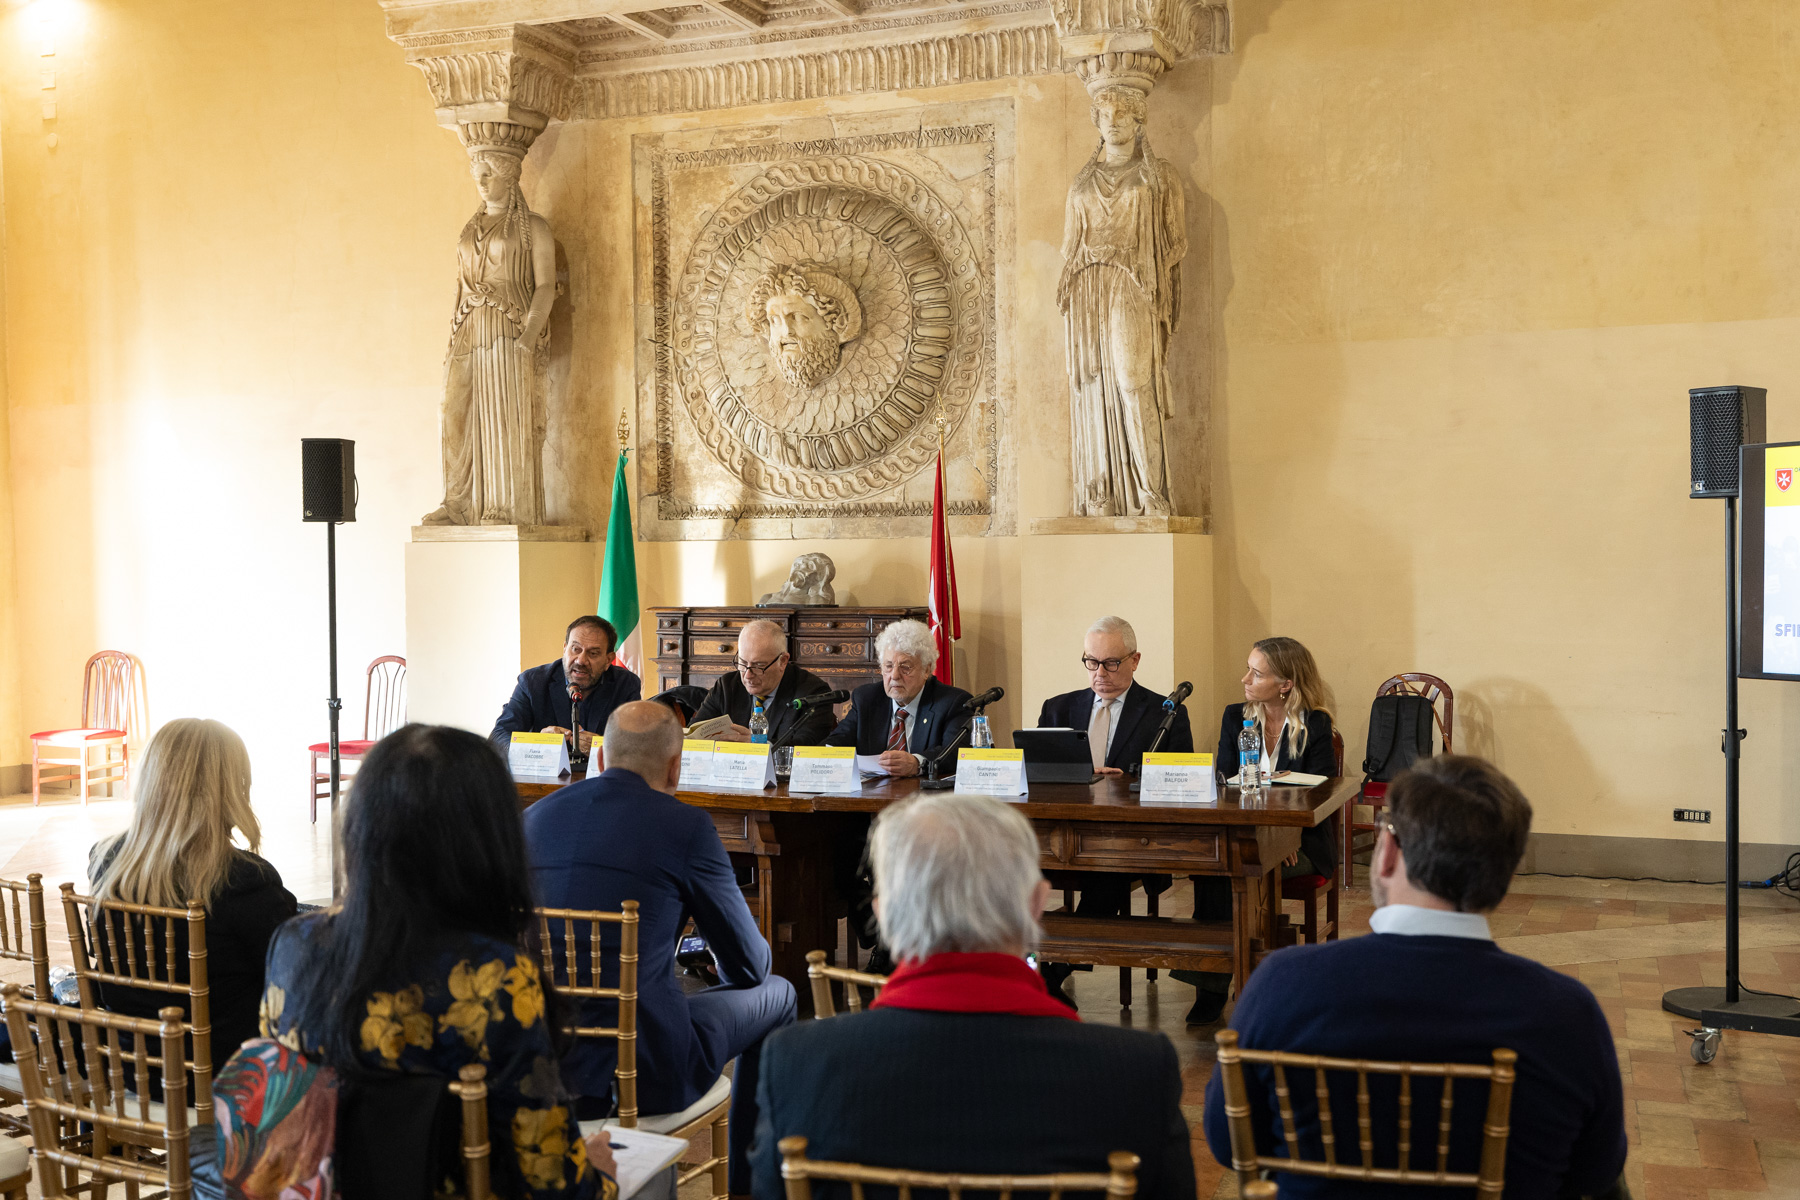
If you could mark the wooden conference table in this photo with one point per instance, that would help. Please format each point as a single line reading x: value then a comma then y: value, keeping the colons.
x: 1086, y: 827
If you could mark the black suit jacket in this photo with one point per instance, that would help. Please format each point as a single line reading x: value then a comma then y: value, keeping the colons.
x: 977, y: 1092
x: 1317, y: 757
x: 729, y: 697
x: 1138, y: 721
x: 541, y: 699
x: 938, y: 721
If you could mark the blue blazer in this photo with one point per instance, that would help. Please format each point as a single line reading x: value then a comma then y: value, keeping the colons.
x: 938, y: 721
x: 600, y: 842
x: 541, y: 699
x: 1421, y: 998
x: 1138, y: 722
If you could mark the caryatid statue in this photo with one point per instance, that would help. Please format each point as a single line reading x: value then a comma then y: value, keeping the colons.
x: 1124, y: 236
x: 805, y: 314
x: 493, y: 421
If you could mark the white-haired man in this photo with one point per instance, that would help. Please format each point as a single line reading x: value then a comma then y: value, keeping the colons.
x: 965, y: 1062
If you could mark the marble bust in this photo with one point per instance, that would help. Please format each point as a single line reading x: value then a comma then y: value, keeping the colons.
x: 804, y: 315
x: 808, y: 582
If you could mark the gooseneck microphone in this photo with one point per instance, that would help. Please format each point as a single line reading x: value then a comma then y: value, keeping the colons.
x: 574, y: 723
x: 1174, y: 699
x: 1171, y: 706
x: 803, y: 703
x: 983, y: 700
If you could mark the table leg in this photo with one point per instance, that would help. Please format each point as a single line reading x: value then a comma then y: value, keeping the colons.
x: 1243, y: 899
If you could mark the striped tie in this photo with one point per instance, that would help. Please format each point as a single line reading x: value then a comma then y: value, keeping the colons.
x: 897, y: 735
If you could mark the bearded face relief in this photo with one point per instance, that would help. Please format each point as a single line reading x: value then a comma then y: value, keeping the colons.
x: 804, y: 316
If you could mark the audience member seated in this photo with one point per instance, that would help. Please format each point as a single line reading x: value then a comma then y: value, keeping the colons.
x: 1430, y: 985
x: 189, y: 792
x: 425, y: 965
x: 766, y: 677
x: 623, y: 836
x: 898, y: 722
x: 1284, y: 695
x: 543, y: 698
x: 965, y: 1062
x: 1121, y: 717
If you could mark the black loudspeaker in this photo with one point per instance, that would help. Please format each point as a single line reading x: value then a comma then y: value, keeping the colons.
x: 1721, y: 419
x: 328, y: 479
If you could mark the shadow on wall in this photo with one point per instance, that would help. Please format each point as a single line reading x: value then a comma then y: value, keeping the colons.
x: 1249, y: 20
x: 1517, y: 727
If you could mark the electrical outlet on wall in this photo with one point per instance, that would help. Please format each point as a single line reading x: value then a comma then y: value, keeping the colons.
x: 1702, y: 816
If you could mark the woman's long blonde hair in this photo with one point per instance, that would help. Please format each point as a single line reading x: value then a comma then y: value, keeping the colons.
x: 192, y: 789
x: 1293, y: 662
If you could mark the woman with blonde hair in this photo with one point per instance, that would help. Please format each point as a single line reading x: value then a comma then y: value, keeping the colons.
x: 190, y: 795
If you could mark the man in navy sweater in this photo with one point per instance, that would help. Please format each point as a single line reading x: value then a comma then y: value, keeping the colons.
x: 1430, y: 985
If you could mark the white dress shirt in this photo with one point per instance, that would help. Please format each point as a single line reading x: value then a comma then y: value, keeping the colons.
x: 1433, y: 922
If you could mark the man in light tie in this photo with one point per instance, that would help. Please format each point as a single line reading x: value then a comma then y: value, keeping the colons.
x: 1121, y: 717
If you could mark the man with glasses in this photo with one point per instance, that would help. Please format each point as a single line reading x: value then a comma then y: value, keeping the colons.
x: 1430, y: 985
x: 767, y: 678
x: 1121, y: 717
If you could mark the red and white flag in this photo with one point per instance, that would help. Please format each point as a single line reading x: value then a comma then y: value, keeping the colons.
x: 946, y: 621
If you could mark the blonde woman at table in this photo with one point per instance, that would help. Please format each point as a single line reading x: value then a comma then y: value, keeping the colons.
x: 1284, y: 699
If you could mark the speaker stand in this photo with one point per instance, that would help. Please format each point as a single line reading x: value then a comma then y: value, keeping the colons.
x: 1727, y: 1007
x: 333, y: 705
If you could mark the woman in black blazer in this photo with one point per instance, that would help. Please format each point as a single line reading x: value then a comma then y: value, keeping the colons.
x: 1284, y: 697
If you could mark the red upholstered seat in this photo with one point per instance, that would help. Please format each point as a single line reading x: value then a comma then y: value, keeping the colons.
x: 1301, y: 887
x: 345, y: 748
x: 74, y: 737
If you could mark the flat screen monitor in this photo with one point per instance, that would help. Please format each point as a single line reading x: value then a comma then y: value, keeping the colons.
x: 1769, y: 562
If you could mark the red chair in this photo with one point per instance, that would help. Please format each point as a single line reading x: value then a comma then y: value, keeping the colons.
x: 384, y: 710
x: 113, y: 707
x: 1443, y: 712
x: 1308, y: 888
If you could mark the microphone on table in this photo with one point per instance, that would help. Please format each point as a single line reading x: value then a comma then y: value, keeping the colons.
x: 1171, y: 706
x: 803, y: 703
x: 974, y: 703
x: 929, y: 781
x: 574, y: 722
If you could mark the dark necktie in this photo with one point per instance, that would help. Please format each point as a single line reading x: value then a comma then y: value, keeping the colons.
x: 897, y: 735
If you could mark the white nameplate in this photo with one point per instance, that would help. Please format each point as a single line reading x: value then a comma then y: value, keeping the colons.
x: 538, y: 754
x: 825, y: 769
x: 742, y: 765
x: 1178, y: 779
x: 991, y: 772
x: 595, y: 765
x: 696, y: 763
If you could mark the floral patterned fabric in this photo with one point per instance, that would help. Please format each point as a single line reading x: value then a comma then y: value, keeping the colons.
x: 479, y: 1001
x: 276, y: 1114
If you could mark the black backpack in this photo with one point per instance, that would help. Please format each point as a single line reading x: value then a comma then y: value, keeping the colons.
x: 1399, y: 735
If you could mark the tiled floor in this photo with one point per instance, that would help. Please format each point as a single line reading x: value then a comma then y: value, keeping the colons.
x: 1724, y: 1131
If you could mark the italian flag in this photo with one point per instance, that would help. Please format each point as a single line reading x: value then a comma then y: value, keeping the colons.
x: 618, y: 576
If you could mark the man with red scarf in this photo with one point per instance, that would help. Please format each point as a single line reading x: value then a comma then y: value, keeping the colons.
x: 965, y: 1062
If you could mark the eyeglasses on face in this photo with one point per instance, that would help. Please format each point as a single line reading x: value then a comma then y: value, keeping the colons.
x: 1109, y: 665
x: 757, y: 668
x: 1388, y: 826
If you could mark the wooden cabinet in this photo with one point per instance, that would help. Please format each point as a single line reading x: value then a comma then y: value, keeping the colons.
x: 697, y: 645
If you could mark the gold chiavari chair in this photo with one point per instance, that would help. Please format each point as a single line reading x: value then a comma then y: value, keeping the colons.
x: 22, y: 939
x: 471, y: 1088
x: 797, y: 1172
x: 136, y: 945
x: 579, y: 979
x: 56, y: 1093
x: 1488, y: 1181
x: 853, y: 981
x: 15, y: 1169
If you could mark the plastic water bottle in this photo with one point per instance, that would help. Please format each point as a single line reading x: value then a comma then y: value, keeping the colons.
x: 980, y: 736
x: 759, y: 722
x: 1249, y: 757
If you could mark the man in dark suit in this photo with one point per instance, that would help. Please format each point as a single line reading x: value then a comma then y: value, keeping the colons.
x: 909, y: 717
x: 1122, y: 717
x: 964, y: 1062
x: 1430, y: 985
x: 542, y: 700
x: 623, y: 836
x: 766, y: 676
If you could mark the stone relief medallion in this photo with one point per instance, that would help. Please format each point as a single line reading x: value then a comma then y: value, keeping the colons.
x: 826, y: 308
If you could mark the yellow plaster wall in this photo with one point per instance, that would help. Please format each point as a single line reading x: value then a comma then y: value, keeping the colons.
x: 12, y: 728
x: 1469, y: 259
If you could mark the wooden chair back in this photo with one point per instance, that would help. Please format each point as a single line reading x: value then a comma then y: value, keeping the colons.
x: 822, y: 977
x: 137, y: 945
x: 56, y: 1094
x: 384, y: 704
x: 471, y: 1088
x: 1443, y: 700
x: 23, y: 937
x: 578, y: 978
x: 1490, y: 1180
x: 112, y: 693
x: 797, y: 1172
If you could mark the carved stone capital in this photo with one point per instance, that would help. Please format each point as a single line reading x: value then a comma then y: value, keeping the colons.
x: 1131, y: 42
x: 499, y: 87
